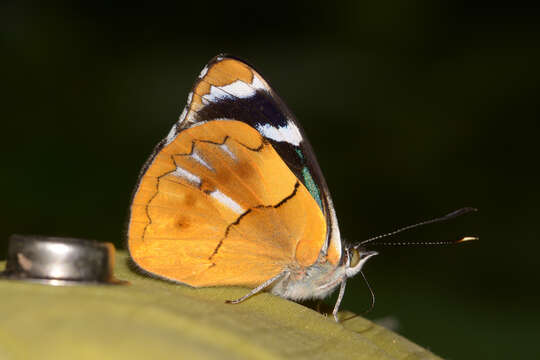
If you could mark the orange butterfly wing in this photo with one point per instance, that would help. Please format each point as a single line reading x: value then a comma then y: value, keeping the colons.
x: 218, y: 206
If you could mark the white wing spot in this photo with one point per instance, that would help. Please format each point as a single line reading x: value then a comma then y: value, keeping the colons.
x: 200, y: 160
x: 187, y: 175
x: 203, y: 72
x: 227, y: 201
x: 171, y: 135
x: 183, y: 115
x: 237, y: 89
x: 289, y: 133
x: 257, y: 83
x: 228, y: 151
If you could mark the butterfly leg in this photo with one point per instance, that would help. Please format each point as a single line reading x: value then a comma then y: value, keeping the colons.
x: 340, y: 297
x: 259, y: 288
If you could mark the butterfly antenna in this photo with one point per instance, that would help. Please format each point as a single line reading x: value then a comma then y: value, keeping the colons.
x: 372, y: 305
x: 446, y: 217
x: 464, y: 239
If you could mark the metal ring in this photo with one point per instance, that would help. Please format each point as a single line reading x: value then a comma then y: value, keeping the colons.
x: 59, y: 261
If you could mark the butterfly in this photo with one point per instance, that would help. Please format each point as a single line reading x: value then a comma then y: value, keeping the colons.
x: 234, y: 196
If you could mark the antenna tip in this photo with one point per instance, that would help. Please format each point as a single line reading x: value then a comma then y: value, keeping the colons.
x: 468, y: 238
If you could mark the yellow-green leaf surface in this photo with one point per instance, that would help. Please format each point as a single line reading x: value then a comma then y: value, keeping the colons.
x: 153, y: 319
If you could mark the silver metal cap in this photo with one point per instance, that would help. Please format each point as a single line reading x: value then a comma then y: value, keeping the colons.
x: 59, y: 261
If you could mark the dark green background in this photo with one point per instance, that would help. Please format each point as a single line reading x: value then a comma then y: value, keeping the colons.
x: 414, y: 109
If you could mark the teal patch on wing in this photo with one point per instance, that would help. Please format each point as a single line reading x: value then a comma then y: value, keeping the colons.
x: 308, y: 181
x: 312, y: 188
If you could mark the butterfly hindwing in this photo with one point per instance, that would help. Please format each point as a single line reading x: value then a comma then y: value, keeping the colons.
x: 218, y: 206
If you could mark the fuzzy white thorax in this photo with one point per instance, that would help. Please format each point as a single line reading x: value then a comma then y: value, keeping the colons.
x: 318, y: 280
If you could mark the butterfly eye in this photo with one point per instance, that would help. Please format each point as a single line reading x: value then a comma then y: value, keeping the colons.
x: 355, y: 257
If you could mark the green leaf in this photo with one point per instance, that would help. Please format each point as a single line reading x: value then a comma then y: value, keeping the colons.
x: 153, y: 319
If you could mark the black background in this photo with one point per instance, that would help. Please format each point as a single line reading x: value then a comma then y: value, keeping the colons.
x: 414, y: 109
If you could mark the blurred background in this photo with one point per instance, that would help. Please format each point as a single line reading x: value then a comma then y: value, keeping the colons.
x: 414, y: 109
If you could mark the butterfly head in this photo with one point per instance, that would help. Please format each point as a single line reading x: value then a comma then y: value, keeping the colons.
x: 355, y: 259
